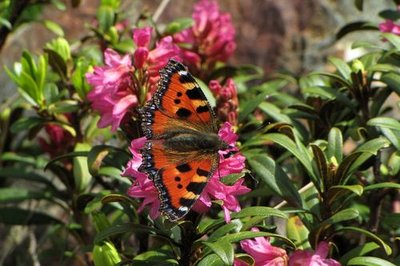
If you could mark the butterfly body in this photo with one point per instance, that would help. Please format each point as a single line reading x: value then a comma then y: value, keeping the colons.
x: 181, y: 151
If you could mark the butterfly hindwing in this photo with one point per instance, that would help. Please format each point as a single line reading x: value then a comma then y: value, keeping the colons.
x: 179, y: 178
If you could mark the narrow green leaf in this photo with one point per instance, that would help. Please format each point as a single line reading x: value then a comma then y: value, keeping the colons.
x: 343, y: 170
x: 385, y: 122
x: 80, y: 168
x: 392, y: 38
x: 335, y: 145
x: 178, y: 25
x: 211, y: 260
x: 54, y: 27
x: 358, y: 251
x: 382, y: 185
x: 320, y: 160
x: 223, y: 249
x: 118, y: 229
x: 26, y: 123
x: 17, y: 216
x: 392, y: 80
x: 276, y: 179
x: 251, y: 105
x: 369, y: 261
x: 341, y: 67
x: 372, y: 236
x: 12, y: 194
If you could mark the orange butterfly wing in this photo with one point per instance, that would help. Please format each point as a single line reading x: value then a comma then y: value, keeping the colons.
x: 178, y: 115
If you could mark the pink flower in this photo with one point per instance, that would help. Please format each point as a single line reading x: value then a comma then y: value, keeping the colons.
x: 153, y: 60
x: 389, y: 26
x: 58, y: 141
x: 227, y: 100
x: 215, y: 189
x: 142, y: 186
x: 263, y: 253
x: 113, y: 92
x: 308, y: 258
x: 211, y: 38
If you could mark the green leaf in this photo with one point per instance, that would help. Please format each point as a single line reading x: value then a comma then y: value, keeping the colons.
x: 118, y: 229
x: 336, y: 191
x: 372, y: 236
x: 205, y: 227
x: 335, y: 145
x: 65, y: 106
x: 26, y: 123
x: 358, y: 251
x: 394, y: 163
x: 320, y: 161
x: 389, y: 14
x: 369, y: 261
x: 17, y: 216
x: 392, y: 79
x: 13, y: 194
x: 234, y: 226
x: 105, y: 254
x: 159, y: 257
x: 211, y: 260
x: 250, y: 105
x: 385, y: 122
x: 382, y: 185
x: 298, y: 232
x: 54, y: 27
x: 95, y: 158
x: 105, y: 17
x: 178, y: 25
x: 276, y: 179
x: 274, y: 112
x: 236, y: 237
x: 392, y: 38
x: 341, y: 67
x: 82, y: 175
x: 297, y: 149
x: 223, y: 249
x: 343, y: 170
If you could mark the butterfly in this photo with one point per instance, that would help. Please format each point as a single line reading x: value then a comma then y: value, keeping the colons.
x: 181, y: 151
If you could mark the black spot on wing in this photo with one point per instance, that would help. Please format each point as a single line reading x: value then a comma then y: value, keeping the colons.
x: 187, y: 202
x: 195, y: 94
x: 186, y: 78
x: 202, y: 109
x: 177, y: 101
x: 183, y: 168
x: 202, y: 172
x: 179, y: 186
x: 183, y: 113
x: 179, y: 94
x: 177, y: 179
x: 196, y: 187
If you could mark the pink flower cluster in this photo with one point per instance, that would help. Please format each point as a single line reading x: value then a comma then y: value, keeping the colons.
x: 210, y: 39
x: 389, y: 26
x: 118, y: 84
x: 227, y: 100
x: 144, y: 188
x: 264, y: 254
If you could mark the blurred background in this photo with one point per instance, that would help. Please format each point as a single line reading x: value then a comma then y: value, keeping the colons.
x: 294, y: 36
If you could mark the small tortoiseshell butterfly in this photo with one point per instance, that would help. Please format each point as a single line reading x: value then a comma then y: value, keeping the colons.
x: 181, y: 151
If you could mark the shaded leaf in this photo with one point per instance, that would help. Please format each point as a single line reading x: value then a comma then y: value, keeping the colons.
x: 17, y: 216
